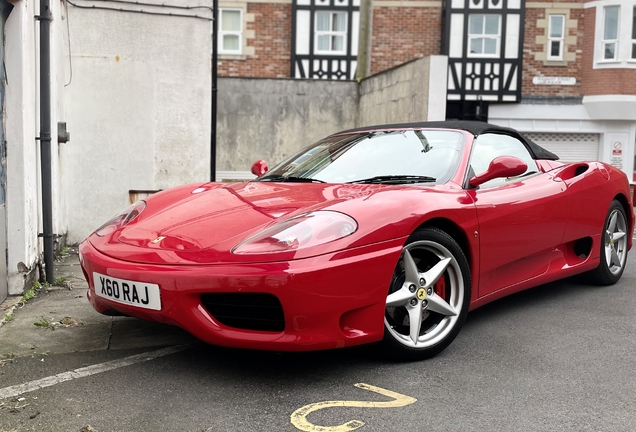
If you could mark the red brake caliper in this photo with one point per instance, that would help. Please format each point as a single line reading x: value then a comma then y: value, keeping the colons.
x: 440, y: 287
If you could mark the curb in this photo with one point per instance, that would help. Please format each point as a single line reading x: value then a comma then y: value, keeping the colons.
x: 8, y: 307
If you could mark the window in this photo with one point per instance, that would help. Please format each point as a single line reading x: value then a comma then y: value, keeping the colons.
x: 556, y: 34
x: 615, y: 35
x: 359, y: 156
x: 331, y: 32
x: 483, y: 35
x: 634, y: 33
x: 489, y: 146
x: 230, y: 27
x: 610, y: 33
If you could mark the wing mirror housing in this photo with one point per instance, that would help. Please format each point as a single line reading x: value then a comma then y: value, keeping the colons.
x: 502, y: 166
x: 259, y: 168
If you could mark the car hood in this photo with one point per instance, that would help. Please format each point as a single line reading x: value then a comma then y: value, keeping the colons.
x: 213, y: 216
x: 201, y: 224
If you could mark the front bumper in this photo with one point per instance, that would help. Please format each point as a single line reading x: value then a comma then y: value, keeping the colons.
x: 330, y: 301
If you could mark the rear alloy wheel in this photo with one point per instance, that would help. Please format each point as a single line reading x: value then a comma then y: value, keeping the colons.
x: 613, y: 247
x: 429, y: 296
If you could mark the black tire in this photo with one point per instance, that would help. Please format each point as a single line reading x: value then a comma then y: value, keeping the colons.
x: 613, y: 247
x: 441, y: 302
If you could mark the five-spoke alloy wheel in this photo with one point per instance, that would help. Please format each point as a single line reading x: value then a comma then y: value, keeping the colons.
x: 613, y: 247
x: 429, y: 296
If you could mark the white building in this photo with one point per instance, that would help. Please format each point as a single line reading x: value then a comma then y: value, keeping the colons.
x: 20, y: 216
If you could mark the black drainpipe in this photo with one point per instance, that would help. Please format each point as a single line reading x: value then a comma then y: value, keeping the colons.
x: 45, y: 136
x: 215, y: 43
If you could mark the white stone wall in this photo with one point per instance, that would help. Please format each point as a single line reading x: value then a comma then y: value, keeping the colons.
x: 60, y: 76
x: 23, y: 204
x: 21, y: 130
x: 138, y: 109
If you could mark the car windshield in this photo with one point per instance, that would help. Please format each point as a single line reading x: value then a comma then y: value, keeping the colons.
x: 394, y: 157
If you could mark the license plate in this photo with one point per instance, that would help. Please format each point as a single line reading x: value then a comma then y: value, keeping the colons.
x: 134, y: 293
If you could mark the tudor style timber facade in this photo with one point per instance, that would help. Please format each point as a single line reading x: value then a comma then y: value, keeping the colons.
x: 484, y: 45
x: 563, y: 72
x: 325, y: 38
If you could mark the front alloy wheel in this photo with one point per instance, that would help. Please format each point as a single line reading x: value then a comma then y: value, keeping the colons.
x: 429, y: 296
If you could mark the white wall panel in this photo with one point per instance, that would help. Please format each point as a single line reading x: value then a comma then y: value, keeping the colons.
x: 512, y: 36
x: 303, y: 37
x: 355, y: 31
x: 456, y: 36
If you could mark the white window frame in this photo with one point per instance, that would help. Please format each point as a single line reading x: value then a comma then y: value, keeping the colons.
x: 559, y: 39
x: 238, y: 33
x: 484, y: 36
x: 615, y: 41
x: 625, y: 42
x: 331, y: 34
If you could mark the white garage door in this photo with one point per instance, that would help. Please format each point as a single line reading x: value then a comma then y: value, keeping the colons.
x: 570, y: 147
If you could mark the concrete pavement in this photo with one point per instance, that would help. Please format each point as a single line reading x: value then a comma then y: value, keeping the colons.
x: 60, y: 320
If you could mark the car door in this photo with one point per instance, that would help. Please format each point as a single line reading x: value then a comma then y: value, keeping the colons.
x: 520, y: 219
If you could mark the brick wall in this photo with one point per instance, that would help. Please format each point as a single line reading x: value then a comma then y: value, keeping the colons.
x: 609, y: 81
x: 401, y: 34
x: 534, y: 63
x: 603, y: 81
x: 272, y: 26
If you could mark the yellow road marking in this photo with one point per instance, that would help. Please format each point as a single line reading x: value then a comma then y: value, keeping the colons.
x: 299, y: 417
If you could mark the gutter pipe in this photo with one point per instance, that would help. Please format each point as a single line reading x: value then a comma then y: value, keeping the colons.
x: 45, y: 137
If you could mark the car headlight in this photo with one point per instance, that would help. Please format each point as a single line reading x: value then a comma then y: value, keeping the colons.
x: 121, y: 219
x: 299, y: 232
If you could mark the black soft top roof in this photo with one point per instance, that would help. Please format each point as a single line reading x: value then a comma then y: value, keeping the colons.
x: 474, y: 127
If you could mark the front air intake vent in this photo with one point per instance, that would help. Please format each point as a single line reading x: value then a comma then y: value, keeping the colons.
x: 248, y: 311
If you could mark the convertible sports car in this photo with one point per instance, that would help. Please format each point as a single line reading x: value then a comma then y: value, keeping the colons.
x: 388, y: 233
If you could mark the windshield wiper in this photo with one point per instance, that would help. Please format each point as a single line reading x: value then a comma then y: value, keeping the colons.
x: 291, y: 179
x: 397, y: 179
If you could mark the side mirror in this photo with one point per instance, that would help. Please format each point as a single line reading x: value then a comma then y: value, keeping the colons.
x: 502, y: 166
x: 259, y: 168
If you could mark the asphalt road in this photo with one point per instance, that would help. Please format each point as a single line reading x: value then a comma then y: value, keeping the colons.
x: 555, y: 358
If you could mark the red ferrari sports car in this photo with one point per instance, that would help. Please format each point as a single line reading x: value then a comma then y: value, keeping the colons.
x: 387, y: 233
